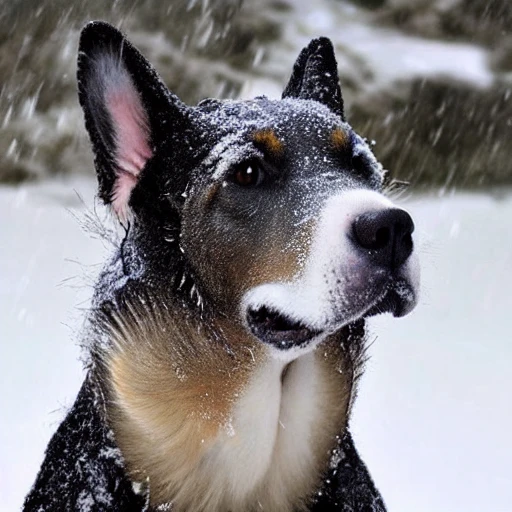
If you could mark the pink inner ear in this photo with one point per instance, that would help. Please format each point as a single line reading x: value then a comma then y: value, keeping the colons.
x: 132, y: 135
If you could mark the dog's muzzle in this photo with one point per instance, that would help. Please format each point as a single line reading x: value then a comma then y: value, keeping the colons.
x: 361, y: 263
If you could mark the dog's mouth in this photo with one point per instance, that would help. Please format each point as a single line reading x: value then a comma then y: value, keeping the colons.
x: 278, y: 329
x: 275, y: 327
x: 398, y: 300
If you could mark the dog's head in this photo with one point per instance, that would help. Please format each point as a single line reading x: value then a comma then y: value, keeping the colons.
x: 267, y: 211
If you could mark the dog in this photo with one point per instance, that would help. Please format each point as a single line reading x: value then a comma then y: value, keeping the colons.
x: 227, y: 333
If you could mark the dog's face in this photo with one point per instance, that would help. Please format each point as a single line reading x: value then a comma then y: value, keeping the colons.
x: 268, y: 212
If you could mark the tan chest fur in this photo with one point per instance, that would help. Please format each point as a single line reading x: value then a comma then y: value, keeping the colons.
x: 219, y: 432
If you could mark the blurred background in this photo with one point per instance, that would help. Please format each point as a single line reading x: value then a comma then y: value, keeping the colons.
x: 429, y: 80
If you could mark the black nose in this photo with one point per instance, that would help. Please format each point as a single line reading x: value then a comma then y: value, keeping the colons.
x: 386, y: 234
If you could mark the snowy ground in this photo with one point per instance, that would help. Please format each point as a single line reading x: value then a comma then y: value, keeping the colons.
x: 434, y: 414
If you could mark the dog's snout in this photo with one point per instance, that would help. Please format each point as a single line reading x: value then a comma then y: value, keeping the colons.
x: 386, y: 234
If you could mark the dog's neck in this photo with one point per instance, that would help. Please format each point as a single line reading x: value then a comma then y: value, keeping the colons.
x: 275, y: 447
x: 217, y: 430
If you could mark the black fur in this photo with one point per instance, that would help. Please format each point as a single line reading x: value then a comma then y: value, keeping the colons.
x: 83, y: 469
x: 315, y: 76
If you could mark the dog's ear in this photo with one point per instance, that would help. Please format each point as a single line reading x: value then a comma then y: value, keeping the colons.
x: 315, y: 76
x: 128, y: 110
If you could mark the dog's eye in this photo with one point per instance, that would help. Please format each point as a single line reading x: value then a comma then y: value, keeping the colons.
x: 248, y: 174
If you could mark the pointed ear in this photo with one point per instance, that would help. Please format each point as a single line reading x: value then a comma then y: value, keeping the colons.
x: 127, y: 108
x: 315, y: 76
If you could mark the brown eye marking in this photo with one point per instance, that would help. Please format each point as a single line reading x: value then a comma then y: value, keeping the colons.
x: 268, y: 141
x: 339, y: 139
x: 210, y: 194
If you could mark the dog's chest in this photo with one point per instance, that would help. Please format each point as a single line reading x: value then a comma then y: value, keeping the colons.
x: 260, y: 443
x: 271, y: 448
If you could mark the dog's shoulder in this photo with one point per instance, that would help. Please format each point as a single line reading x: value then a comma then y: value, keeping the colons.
x: 83, y: 468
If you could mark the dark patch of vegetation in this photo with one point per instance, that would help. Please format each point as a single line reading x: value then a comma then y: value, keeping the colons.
x: 441, y: 134
x: 200, y: 48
